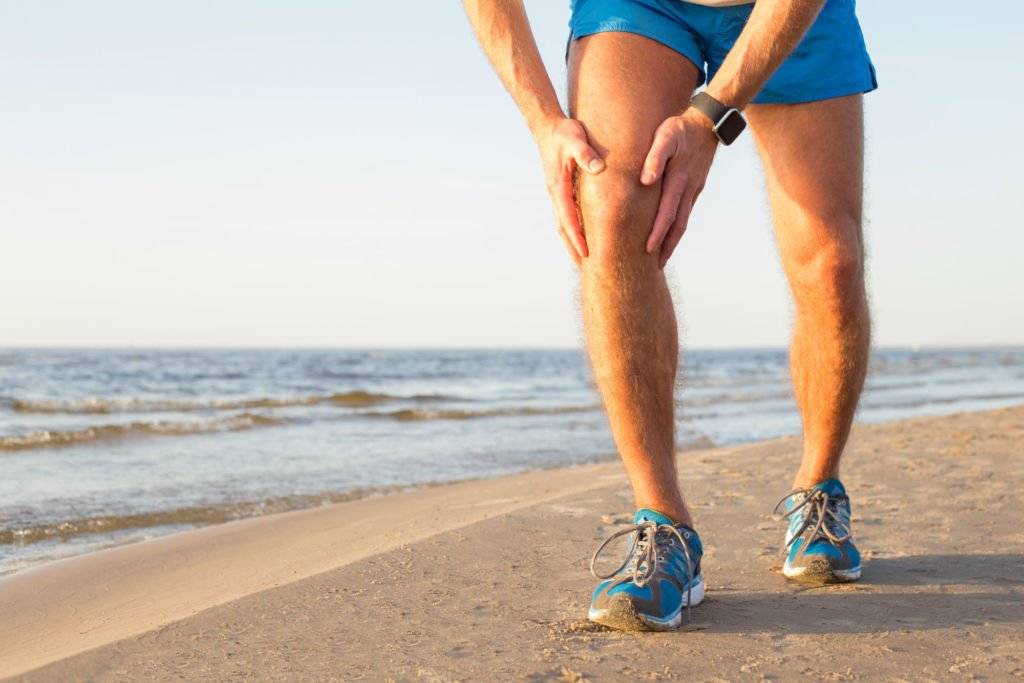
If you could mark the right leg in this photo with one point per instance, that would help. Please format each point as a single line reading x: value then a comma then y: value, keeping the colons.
x: 622, y: 86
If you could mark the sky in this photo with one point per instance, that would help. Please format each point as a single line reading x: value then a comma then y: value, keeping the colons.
x: 352, y: 174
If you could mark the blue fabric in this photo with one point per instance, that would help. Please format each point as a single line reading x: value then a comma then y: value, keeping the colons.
x: 671, y: 598
x: 644, y: 592
x: 830, y: 61
x: 815, y: 548
x: 853, y: 554
x: 647, y: 515
x: 832, y: 487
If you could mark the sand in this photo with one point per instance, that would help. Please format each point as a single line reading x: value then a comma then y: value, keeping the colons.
x: 488, y: 580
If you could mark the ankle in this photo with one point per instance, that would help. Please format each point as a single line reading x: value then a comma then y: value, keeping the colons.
x: 806, y: 481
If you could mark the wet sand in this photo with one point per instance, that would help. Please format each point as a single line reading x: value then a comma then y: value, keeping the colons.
x: 488, y: 580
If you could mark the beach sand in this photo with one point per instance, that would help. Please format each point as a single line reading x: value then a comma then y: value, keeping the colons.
x: 488, y: 580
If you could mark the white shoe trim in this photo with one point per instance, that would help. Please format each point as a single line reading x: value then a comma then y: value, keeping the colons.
x: 851, y: 574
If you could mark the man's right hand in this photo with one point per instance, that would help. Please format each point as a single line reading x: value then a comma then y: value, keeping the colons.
x: 563, y: 145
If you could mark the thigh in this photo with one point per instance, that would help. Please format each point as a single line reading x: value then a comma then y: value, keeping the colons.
x: 622, y: 86
x: 813, y: 157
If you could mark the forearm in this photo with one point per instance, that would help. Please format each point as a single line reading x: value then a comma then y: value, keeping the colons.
x: 504, y: 32
x: 773, y: 31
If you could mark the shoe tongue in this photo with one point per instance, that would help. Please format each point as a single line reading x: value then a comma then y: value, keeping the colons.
x: 649, y: 515
x: 832, y: 487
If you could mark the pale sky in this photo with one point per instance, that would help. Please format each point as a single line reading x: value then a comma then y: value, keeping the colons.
x: 324, y: 173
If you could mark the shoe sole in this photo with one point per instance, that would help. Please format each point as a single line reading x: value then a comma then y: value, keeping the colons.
x: 820, y: 571
x: 622, y: 615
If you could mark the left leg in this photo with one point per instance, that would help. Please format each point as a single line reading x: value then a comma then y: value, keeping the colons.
x: 813, y: 158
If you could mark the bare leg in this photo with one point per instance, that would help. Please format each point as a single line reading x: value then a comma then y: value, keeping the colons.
x: 621, y: 87
x: 813, y: 158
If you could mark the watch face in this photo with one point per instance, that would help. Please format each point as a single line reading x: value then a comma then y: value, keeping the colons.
x: 731, y: 125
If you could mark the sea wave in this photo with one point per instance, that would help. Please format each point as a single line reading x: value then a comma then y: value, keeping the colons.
x: 49, y: 439
x: 413, y: 414
x: 24, y: 534
x: 99, y: 405
x: 945, y: 400
x: 735, y: 397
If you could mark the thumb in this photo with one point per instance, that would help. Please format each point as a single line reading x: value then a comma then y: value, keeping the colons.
x: 586, y: 158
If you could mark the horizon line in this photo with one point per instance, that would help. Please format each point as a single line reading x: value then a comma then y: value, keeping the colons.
x: 385, y: 347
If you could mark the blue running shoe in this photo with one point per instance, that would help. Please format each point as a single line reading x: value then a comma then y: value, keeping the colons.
x: 819, y: 544
x: 660, y: 575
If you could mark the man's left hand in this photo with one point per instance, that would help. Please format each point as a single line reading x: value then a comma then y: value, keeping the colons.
x: 681, y: 155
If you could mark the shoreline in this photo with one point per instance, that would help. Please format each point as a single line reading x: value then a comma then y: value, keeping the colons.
x: 70, y: 609
x: 225, y: 514
x: 66, y: 600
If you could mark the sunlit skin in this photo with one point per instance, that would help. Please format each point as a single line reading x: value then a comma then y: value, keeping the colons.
x: 641, y: 158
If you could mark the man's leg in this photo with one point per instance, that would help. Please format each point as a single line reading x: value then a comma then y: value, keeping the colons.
x: 813, y: 158
x: 622, y: 86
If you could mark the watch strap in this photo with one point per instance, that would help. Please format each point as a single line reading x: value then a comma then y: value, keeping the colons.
x: 709, y: 106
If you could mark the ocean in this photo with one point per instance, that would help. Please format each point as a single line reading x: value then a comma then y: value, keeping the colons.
x: 105, y: 447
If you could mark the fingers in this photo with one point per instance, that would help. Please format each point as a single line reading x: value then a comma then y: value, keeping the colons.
x: 664, y: 147
x: 678, y: 229
x: 568, y: 148
x: 568, y: 245
x: 675, y: 234
x: 668, y: 208
x: 568, y: 217
x: 577, y: 149
x: 584, y: 156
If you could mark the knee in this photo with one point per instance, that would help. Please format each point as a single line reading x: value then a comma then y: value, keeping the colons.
x: 617, y: 213
x: 830, y: 270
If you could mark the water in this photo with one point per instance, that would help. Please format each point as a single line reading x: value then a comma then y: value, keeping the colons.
x: 102, y: 447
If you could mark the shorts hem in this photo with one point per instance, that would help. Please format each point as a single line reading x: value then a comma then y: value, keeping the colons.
x: 815, y: 95
x: 583, y: 30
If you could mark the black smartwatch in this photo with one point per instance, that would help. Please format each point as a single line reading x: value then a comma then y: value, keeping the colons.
x: 728, y: 121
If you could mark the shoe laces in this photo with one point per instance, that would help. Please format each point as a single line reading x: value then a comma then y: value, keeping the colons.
x: 646, y: 552
x: 823, y: 515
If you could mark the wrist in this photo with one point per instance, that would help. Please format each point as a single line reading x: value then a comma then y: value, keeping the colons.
x: 725, y: 96
x: 692, y: 117
x: 543, y: 125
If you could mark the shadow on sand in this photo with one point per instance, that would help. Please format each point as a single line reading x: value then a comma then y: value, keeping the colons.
x: 915, y: 593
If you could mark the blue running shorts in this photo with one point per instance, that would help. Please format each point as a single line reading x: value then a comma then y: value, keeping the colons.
x: 830, y: 61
